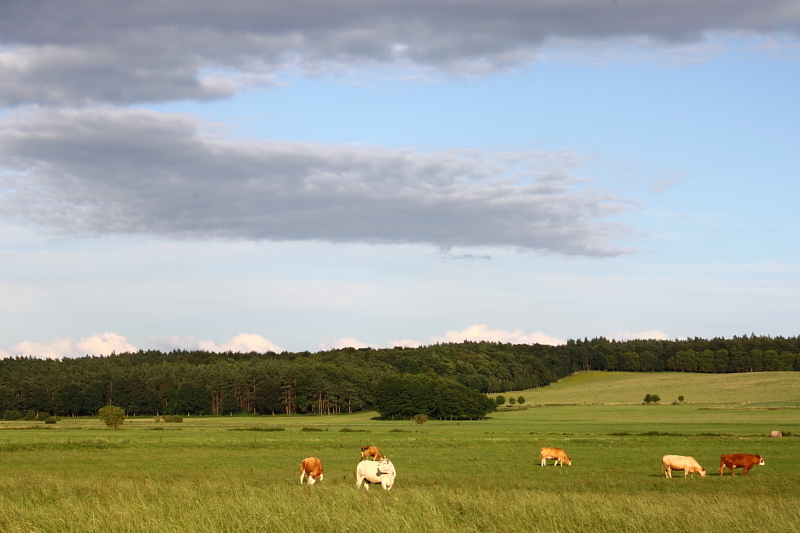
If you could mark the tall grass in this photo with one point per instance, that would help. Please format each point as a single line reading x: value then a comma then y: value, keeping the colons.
x: 229, y: 504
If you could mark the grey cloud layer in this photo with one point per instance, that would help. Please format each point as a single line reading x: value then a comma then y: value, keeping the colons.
x: 97, y: 172
x: 83, y: 52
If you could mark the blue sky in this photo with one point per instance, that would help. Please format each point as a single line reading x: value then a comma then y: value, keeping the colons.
x: 269, y: 179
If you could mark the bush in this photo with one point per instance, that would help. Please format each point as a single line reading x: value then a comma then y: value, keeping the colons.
x: 405, y: 395
x: 512, y: 401
x: 521, y: 400
x: 50, y: 420
x: 652, y: 398
x: 419, y: 418
x: 112, y: 416
x: 312, y: 429
x: 30, y: 414
x: 500, y: 400
x: 175, y: 419
x: 42, y: 416
x: 351, y: 430
x: 680, y: 398
x: 11, y: 414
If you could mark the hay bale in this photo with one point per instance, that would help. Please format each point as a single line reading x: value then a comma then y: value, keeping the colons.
x: 776, y: 434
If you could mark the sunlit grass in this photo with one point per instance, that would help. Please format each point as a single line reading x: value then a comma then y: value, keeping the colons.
x: 767, y: 388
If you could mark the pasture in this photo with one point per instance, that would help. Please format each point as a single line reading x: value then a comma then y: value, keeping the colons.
x: 235, y: 474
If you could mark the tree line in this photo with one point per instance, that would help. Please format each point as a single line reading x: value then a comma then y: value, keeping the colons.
x: 346, y: 380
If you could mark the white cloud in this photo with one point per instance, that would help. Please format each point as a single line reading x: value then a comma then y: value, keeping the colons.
x: 331, y: 343
x: 479, y: 332
x: 473, y: 333
x: 243, y: 342
x: 97, y: 344
x: 643, y: 335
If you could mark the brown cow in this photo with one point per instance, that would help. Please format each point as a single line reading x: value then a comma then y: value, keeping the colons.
x: 554, y: 453
x: 680, y: 462
x: 739, y: 460
x: 312, y: 467
x: 371, y: 451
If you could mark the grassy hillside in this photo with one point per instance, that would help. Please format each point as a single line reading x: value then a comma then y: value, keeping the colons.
x: 754, y: 388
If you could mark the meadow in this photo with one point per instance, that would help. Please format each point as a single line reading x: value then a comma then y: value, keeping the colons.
x: 240, y: 474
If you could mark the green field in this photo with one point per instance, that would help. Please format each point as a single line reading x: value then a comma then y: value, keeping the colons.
x: 217, y: 474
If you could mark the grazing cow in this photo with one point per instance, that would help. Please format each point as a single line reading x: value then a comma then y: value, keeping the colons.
x: 679, y: 462
x: 739, y: 460
x: 370, y: 451
x: 382, y: 472
x: 554, y: 453
x: 311, y: 467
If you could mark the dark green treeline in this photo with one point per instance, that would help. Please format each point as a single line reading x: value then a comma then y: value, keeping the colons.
x: 345, y: 380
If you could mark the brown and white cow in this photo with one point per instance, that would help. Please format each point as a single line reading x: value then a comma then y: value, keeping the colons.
x: 311, y: 467
x: 739, y: 460
x: 554, y: 453
x: 371, y: 451
x: 680, y: 462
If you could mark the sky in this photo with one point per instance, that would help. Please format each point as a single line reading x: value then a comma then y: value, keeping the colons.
x: 308, y: 175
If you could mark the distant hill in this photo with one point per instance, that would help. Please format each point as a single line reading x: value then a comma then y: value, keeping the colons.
x: 751, y: 388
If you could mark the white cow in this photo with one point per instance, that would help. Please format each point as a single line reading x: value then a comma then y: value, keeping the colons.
x: 382, y: 472
x: 679, y: 462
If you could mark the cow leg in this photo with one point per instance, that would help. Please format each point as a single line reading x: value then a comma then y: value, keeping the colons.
x: 302, y: 475
x: 746, y: 469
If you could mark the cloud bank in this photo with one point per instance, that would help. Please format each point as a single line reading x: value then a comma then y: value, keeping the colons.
x: 642, y: 335
x: 80, y: 52
x: 105, y: 172
x: 97, y: 344
x: 107, y: 343
x: 480, y: 332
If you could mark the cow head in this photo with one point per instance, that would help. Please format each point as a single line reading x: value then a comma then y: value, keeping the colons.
x: 314, y: 476
x: 760, y: 460
x: 383, y: 466
x: 702, y: 472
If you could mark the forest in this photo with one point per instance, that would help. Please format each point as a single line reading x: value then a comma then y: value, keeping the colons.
x: 346, y: 380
